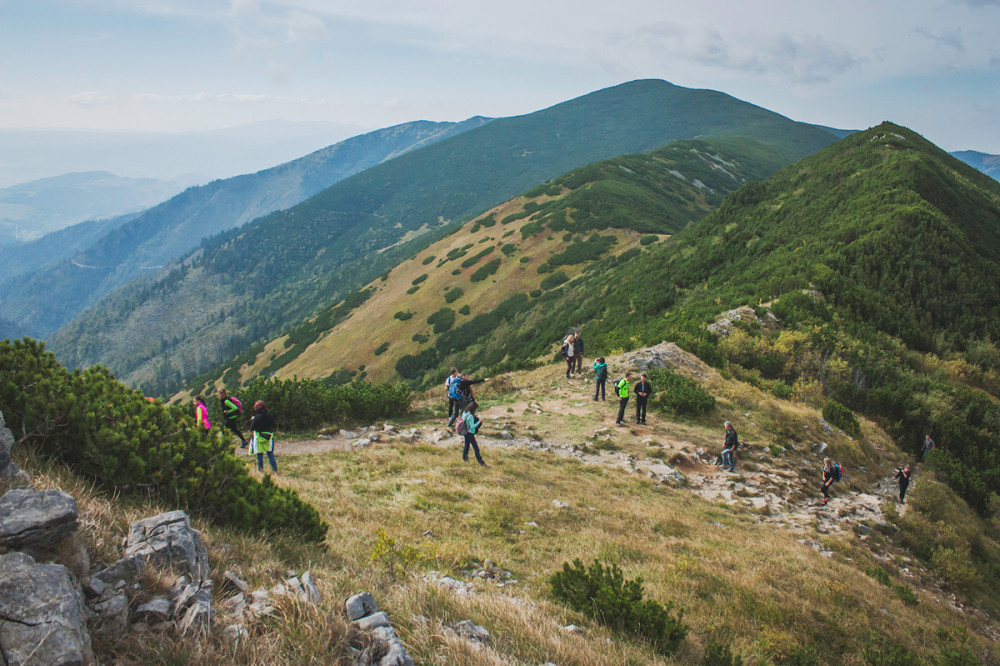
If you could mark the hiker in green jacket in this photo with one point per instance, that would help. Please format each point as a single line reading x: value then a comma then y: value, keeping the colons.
x: 231, y: 409
x: 621, y: 390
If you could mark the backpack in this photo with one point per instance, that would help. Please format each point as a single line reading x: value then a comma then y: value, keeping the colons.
x: 618, y: 386
x: 472, y: 424
x: 453, y: 387
x: 239, y: 405
x: 461, y: 427
x: 602, y: 373
x: 838, y: 472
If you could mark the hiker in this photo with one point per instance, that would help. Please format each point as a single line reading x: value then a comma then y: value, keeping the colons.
x: 468, y: 426
x: 642, y: 391
x: 621, y: 390
x: 903, y: 476
x: 262, y: 439
x: 568, y: 351
x: 929, y: 445
x: 578, y: 351
x: 231, y: 409
x: 465, y: 395
x: 600, y: 377
x: 831, y: 473
x: 729, y: 447
x: 451, y: 384
x: 200, y: 413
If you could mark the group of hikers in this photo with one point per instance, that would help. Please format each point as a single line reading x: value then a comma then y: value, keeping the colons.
x: 262, y: 425
x: 462, y: 407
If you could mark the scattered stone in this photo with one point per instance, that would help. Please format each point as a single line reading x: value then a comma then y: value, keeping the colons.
x: 573, y: 629
x: 36, y: 521
x: 819, y: 447
x: 348, y: 434
x: 235, y: 633
x: 229, y: 579
x: 373, y: 621
x: 360, y: 605
x: 115, y: 607
x: 235, y: 605
x: 310, y: 592
x: 395, y: 653
x: 560, y: 505
x: 362, y: 443
x: 159, y: 608
x: 506, y: 434
x: 169, y: 540
x: 471, y: 631
x: 9, y: 470
x: 42, y: 619
x: 121, y: 573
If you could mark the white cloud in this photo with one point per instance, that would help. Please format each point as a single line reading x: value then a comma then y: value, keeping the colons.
x: 89, y: 100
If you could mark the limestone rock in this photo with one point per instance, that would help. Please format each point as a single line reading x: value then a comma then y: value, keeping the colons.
x: 360, y: 605
x: 309, y: 589
x: 169, y: 540
x: 123, y: 572
x: 159, y: 608
x: 373, y: 621
x: 35, y: 521
x: 395, y: 654
x: 8, y: 470
x: 471, y: 631
x: 42, y: 617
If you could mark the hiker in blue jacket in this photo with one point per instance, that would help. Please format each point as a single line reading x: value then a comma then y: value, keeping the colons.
x: 472, y: 425
x: 600, y: 378
x: 465, y: 395
x: 451, y: 384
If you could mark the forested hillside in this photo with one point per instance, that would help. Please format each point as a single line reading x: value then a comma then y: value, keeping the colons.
x: 54, y: 292
x: 254, y: 282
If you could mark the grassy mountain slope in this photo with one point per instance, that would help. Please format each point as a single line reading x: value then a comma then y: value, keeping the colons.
x: 46, y: 299
x: 256, y: 281
x: 603, y: 209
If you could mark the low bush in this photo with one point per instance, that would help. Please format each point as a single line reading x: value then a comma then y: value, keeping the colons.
x: 381, y: 348
x: 485, y: 271
x: 678, y: 394
x: 604, y: 594
x: 402, y: 316
x: 554, y: 280
x: 838, y: 415
x: 442, y: 320
x: 453, y: 295
x: 109, y: 433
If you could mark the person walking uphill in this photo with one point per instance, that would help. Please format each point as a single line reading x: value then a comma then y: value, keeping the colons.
x: 231, y: 409
x: 578, y: 351
x: 642, y: 391
x: 200, y: 413
x: 729, y: 447
x: 262, y: 440
x: 831, y: 473
x: 465, y: 395
x: 468, y: 426
x: 621, y: 390
x: 903, y: 476
x: 600, y: 378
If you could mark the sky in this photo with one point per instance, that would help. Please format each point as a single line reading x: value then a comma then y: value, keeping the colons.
x: 193, y: 65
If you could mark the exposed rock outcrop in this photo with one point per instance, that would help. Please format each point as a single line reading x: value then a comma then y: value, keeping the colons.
x: 36, y: 521
x: 169, y: 541
x: 9, y: 471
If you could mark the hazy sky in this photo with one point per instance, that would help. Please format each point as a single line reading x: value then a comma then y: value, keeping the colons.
x: 169, y: 65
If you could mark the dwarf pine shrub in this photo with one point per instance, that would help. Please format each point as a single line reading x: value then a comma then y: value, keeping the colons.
x: 678, y: 394
x: 113, y: 435
x: 604, y: 594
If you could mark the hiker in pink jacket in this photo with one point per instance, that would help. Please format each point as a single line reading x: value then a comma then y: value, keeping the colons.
x: 200, y: 413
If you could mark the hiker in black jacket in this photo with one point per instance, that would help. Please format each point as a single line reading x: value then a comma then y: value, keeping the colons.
x: 903, y: 476
x: 729, y: 447
x: 578, y: 352
x: 642, y: 391
x: 465, y: 395
x: 230, y: 411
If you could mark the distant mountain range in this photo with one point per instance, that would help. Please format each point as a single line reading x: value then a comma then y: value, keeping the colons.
x: 988, y: 164
x: 46, y: 298
x: 256, y: 281
x: 31, y: 210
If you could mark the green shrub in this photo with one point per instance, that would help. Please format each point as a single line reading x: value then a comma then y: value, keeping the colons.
x: 508, y: 249
x: 403, y: 316
x: 442, y: 320
x: 838, y: 415
x: 464, y: 310
x: 488, y: 221
x: 111, y: 434
x: 413, y: 290
x: 420, y: 338
x: 554, y: 280
x: 648, y: 240
x: 381, y: 348
x: 535, y: 293
x: 485, y: 271
x: 476, y: 257
x: 604, y: 594
x: 544, y: 268
x: 427, y: 260
x: 419, y: 279
x: 457, y: 271
x: 678, y: 394
x: 453, y: 295
x: 719, y: 654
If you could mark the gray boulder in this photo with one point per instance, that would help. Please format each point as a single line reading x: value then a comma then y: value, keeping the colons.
x: 42, y: 618
x: 360, y: 605
x: 471, y: 631
x: 36, y: 521
x: 115, y: 577
x: 169, y: 541
x: 395, y: 653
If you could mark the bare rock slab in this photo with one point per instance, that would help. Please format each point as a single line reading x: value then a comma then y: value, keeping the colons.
x: 42, y: 617
x: 35, y: 521
x: 169, y: 541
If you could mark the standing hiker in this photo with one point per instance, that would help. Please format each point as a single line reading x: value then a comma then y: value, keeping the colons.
x: 578, y: 351
x: 903, y: 476
x: 729, y: 447
x: 262, y: 439
x: 465, y: 395
x: 831, y: 473
x: 621, y: 390
x: 929, y: 445
x: 642, y: 391
x: 231, y: 409
x: 468, y: 426
x: 568, y: 351
x: 452, y: 385
x: 200, y: 413
x: 600, y: 377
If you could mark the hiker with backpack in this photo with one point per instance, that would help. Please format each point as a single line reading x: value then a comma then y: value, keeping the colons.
x: 231, y: 409
x: 642, y: 391
x: 568, y: 350
x: 200, y: 413
x: 929, y: 445
x: 451, y: 384
x: 465, y: 395
x: 600, y: 377
x: 262, y: 428
x: 903, y: 476
x: 729, y: 447
x: 832, y: 473
x: 621, y: 390
x: 468, y: 425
